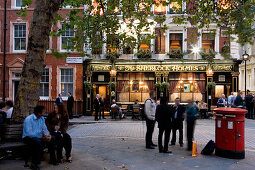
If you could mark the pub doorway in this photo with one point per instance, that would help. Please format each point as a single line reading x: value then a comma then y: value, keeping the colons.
x: 102, y: 89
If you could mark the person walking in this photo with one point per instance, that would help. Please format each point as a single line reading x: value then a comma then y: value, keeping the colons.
x: 150, y: 110
x: 102, y: 103
x: 70, y: 102
x: 59, y: 99
x: 8, y: 109
x: 35, y: 132
x: 177, y: 124
x: 191, y: 113
x: 164, y: 119
x: 249, y: 105
x: 97, y: 106
x: 57, y: 123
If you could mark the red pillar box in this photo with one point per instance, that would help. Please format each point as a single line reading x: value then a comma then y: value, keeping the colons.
x: 229, y: 132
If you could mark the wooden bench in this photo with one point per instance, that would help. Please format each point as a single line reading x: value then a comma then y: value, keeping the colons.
x: 136, y: 112
x: 115, y: 112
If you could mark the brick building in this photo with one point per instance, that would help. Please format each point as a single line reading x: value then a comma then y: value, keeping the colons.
x: 134, y: 78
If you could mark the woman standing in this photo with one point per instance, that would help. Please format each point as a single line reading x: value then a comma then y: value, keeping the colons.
x: 57, y: 123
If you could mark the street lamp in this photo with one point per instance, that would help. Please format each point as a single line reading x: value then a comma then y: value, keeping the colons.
x: 245, y: 58
x: 195, y: 50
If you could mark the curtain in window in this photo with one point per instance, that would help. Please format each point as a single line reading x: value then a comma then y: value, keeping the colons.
x: 201, y: 86
x: 172, y: 85
x: 120, y: 85
x: 150, y: 85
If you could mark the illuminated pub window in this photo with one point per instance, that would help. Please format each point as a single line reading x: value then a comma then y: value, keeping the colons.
x: 134, y: 86
x: 186, y: 86
x: 208, y: 41
x: 175, y: 8
x: 175, y: 41
x: 113, y: 44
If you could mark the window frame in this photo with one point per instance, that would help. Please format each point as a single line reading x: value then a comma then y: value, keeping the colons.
x: 13, y: 38
x: 46, y: 97
x: 61, y: 36
x: 60, y: 81
x: 15, y: 4
x: 214, y: 41
x: 182, y: 40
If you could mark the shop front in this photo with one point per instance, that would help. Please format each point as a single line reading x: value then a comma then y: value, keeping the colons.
x: 128, y: 81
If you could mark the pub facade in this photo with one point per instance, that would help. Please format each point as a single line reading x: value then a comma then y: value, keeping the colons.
x: 131, y: 80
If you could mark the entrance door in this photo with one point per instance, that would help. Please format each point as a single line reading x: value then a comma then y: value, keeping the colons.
x: 102, y: 89
x: 15, y: 89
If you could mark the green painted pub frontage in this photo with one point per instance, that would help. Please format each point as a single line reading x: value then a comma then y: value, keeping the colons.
x: 131, y: 80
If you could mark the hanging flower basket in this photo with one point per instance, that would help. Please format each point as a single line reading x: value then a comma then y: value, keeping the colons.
x: 112, y: 84
x: 210, y: 85
x: 112, y: 56
x: 225, y: 51
x: 88, y: 84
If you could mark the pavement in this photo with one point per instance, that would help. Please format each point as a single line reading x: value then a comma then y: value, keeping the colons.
x: 110, y: 144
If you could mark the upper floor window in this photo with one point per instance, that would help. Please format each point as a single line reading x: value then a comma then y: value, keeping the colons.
x: 176, y: 41
x: 66, y: 81
x: 66, y: 37
x: 208, y: 40
x: 18, y: 3
x: 19, y: 37
x: 44, y: 84
x: 159, y: 8
x: 175, y: 8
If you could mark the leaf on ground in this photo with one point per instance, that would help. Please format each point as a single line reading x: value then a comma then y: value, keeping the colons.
x: 122, y: 166
x: 196, y: 166
x: 163, y: 162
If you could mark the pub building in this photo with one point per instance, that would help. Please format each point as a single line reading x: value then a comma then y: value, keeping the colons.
x: 131, y: 80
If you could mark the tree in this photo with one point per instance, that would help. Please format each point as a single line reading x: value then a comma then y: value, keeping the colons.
x: 101, y: 24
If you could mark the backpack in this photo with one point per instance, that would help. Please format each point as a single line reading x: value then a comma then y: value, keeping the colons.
x: 209, y: 148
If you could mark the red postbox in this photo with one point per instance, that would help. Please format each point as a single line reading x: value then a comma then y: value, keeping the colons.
x: 229, y: 132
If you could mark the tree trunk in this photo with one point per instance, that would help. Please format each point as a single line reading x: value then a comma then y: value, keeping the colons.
x: 29, y: 86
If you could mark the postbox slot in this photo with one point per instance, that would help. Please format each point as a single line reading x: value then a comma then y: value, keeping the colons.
x: 220, y: 115
x: 233, y: 116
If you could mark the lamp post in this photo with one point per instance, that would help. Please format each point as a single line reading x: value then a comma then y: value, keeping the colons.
x: 4, y: 62
x: 245, y: 58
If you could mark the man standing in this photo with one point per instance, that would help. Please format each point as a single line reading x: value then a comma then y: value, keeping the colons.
x: 231, y: 100
x: 101, y: 112
x: 70, y: 102
x: 96, y: 105
x: 249, y: 105
x: 222, y: 102
x: 150, y: 110
x: 34, y: 133
x: 59, y: 99
x: 191, y: 113
x: 178, y: 118
x: 238, y: 102
x: 164, y: 119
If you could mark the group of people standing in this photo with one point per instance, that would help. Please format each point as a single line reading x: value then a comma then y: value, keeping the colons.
x: 99, y: 104
x: 239, y: 101
x: 169, y: 118
x: 53, y: 131
x: 70, y: 103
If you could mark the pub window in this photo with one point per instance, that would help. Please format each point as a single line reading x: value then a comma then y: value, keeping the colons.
x: 175, y: 41
x: 18, y: 3
x: 66, y: 36
x: 175, y: 8
x: 208, y: 40
x: 113, y: 44
x: 44, y: 83
x: 187, y: 86
x: 97, y: 43
x: 66, y: 81
x: 19, y: 37
x: 134, y: 86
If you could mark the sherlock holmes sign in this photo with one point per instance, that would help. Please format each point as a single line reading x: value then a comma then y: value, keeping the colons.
x: 155, y: 68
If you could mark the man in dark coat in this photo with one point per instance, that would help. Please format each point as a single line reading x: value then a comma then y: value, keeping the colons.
x: 101, y: 112
x: 249, y: 105
x: 177, y: 124
x: 164, y: 119
x: 96, y: 106
x: 59, y: 99
x: 70, y: 102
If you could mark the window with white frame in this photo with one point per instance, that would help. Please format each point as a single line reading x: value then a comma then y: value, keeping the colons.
x: 18, y: 3
x: 175, y: 8
x: 66, y: 36
x: 66, y: 81
x: 44, y: 84
x: 19, y: 42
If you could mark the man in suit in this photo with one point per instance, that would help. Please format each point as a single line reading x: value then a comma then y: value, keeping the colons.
x: 249, y: 105
x: 177, y: 124
x: 59, y: 99
x: 223, y: 101
x: 164, y: 119
x: 150, y: 110
x: 101, y: 112
x: 70, y: 102
x: 97, y: 106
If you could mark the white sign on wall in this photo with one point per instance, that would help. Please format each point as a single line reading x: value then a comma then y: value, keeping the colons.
x: 71, y: 60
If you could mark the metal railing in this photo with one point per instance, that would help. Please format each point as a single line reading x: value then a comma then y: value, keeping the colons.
x: 49, y: 106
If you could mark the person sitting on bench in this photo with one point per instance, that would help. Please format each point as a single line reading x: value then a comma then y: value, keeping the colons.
x: 136, y: 110
x: 35, y: 132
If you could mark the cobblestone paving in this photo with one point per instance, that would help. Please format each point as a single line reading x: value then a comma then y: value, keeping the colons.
x: 204, y: 131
